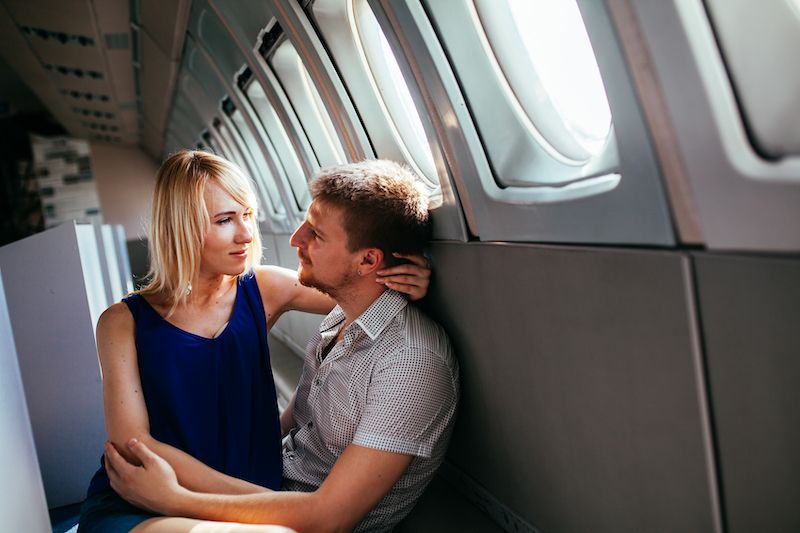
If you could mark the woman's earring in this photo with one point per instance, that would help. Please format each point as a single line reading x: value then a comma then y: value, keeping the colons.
x: 189, y: 289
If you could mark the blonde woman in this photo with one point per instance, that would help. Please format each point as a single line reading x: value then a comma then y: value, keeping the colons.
x: 185, y: 360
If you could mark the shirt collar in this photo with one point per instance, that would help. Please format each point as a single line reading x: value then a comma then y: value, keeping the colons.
x: 375, y: 318
x: 334, y: 318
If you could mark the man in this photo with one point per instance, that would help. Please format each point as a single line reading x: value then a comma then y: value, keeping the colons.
x: 374, y: 409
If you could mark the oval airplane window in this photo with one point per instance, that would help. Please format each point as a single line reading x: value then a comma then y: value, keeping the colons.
x: 757, y: 40
x: 266, y: 113
x: 555, y: 82
x: 394, y: 94
x: 307, y: 103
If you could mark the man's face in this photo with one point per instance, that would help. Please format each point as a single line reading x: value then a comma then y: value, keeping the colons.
x: 321, y: 241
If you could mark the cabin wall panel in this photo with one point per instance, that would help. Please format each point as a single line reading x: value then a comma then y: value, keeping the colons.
x: 125, y: 178
x: 57, y: 354
x: 750, y: 312
x: 582, y: 404
x: 22, y: 506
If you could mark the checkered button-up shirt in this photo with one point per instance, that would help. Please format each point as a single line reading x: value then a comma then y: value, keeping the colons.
x: 391, y: 384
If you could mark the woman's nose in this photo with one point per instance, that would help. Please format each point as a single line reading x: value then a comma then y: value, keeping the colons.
x: 245, y: 234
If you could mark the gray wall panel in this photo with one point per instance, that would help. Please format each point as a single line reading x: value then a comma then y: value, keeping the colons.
x: 22, y: 501
x: 750, y: 311
x: 57, y: 354
x: 582, y: 405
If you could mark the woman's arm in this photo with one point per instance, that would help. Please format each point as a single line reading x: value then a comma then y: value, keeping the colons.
x: 281, y: 291
x: 126, y: 414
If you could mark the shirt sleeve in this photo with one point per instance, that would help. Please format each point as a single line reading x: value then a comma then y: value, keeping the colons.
x: 410, y: 402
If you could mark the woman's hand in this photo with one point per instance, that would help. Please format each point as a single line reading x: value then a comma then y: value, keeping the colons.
x: 411, y: 278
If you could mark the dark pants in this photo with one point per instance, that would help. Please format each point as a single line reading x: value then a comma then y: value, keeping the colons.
x: 106, y: 512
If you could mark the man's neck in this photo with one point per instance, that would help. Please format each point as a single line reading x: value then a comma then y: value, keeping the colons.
x: 354, y: 300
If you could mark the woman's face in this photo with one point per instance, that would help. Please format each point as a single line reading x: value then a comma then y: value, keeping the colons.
x: 230, y: 233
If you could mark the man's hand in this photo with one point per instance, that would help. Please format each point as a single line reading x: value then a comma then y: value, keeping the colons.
x: 152, y: 486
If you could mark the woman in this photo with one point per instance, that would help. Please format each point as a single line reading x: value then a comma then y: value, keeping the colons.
x: 185, y: 359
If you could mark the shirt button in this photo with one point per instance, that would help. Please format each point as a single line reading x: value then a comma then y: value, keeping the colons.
x: 310, y: 425
x: 317, y: 382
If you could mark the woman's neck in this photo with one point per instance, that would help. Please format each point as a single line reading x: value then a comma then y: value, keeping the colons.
x: 207, y: 290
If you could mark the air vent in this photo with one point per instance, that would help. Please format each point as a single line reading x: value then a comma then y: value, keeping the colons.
x: 107, y: 138
x: 72, y: 71
x: 85, y: 95
x: 117, y: 41
x: 92, y: 112
x: 58, y: 36
x: 99, y: 127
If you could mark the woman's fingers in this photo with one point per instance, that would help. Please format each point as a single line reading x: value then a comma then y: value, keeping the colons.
x: 409, y: 278
x: 408, y: 269
x: 414, y: 292
x: 419, y: 260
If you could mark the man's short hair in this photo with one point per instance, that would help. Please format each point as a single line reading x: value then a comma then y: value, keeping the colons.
x: 384, y: 206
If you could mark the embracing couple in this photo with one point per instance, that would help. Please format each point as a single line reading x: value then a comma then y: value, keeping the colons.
x: 195, y: 439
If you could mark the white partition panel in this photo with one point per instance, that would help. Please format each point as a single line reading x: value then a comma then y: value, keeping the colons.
x: 22, y: 502
x: 123, y: 261
x: 53, y: 286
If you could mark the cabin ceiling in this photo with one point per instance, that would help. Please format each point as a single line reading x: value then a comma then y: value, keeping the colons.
x: 105, y: 69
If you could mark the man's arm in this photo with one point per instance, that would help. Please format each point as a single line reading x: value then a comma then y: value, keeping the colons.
x: 360, y: 478
x: 126, y: 414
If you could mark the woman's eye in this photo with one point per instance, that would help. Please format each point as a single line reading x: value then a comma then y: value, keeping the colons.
x: 223, y: 221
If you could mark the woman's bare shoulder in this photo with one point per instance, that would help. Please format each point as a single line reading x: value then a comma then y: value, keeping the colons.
x: 275, y: 277
x: 116, y: 318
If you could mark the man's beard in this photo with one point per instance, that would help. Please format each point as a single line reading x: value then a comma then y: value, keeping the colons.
x: 331, y: 289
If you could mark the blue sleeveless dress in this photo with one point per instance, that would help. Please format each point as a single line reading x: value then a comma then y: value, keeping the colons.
x: 212, y: 398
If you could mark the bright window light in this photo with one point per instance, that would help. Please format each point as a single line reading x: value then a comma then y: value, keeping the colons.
x: 291, y: 164
x: 307, y: 104
x: 557, y: 81
x: 259, y: 169
x: 395, y: 95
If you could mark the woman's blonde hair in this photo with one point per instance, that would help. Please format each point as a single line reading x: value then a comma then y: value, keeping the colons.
x: 180, y: 220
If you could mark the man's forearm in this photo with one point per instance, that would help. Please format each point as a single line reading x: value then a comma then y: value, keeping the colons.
x: 198, y: 477
x: 297, y: 510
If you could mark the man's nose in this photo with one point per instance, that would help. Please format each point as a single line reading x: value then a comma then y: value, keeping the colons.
x: 298, y: 237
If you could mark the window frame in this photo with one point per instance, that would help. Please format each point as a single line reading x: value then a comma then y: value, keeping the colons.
x: 635, y: 211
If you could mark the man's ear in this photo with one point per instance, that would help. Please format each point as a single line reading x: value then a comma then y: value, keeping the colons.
x: 371, y: 260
